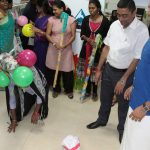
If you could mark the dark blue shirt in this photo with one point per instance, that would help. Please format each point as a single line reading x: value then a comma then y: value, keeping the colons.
x: 141, y: 84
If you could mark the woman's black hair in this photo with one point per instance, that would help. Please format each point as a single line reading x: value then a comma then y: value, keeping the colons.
x: 59, y: 4
x: 130, y: 4
x: 68, y: 11
x: 97, y: 4
x: 45, y: 5
x: 47, y: 8
x: 39, y: 3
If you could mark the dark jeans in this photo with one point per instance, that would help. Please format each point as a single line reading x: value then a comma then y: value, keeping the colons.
x: 110, y: 77
x: 67, y: 78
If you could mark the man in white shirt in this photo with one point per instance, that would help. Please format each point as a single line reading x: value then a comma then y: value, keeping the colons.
x: 123, y: 45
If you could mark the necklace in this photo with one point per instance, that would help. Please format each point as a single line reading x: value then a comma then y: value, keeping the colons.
x: 96, y: 19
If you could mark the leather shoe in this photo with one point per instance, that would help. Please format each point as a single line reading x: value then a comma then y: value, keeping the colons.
x: 120, y: 137
x: 95, y: 125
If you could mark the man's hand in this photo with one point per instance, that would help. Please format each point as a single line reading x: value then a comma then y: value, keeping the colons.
x: 128, y: 92
x: 98, y: 75
x: 138, y: 114
x: 119, y: 87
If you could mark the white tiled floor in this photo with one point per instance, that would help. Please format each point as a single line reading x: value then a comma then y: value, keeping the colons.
x: 65, y: 117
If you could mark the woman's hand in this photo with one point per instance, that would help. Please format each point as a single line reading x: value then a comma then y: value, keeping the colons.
x: 83, y: 37
x: 12, y: 126
x: 92, y: 43
x: 34, y: 29
x: 59, y: 47
x: 37, y: 31
x: 89, y: 40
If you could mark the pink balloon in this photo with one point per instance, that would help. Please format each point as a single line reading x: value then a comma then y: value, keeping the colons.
x: 22, y: 20
x: 26, y: 58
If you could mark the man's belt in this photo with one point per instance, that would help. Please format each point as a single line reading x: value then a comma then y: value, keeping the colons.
x: 116, y: 69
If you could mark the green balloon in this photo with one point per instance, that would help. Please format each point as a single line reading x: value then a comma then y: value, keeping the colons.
x: 22, y: 76
x: 4, y: 80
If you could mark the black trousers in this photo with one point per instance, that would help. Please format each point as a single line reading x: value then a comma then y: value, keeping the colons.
x: 67, y: 78
x: 110, y: 77
x: 91, y: 87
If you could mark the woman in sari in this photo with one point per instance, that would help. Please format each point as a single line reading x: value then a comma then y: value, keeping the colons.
x: 44, y: 11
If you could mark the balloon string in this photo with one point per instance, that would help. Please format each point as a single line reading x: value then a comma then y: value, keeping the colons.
x: 14, y: 49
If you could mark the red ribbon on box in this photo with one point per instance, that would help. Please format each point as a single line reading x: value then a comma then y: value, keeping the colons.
x: 74, y: 148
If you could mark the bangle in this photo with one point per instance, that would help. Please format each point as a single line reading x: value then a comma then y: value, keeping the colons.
x: 65, y: 46
x: 42, y: 32
x: 87, y: 39
x: 98, y: 69
x: 146, y: 108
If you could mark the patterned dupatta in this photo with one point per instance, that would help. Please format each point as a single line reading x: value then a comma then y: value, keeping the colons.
x: 93, y: 27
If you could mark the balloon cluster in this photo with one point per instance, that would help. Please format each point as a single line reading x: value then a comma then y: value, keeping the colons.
x: 22, y: 20
x: 27, y: 30
x: 26, y: 58
x: 17, y: 69
x: 27, y: 27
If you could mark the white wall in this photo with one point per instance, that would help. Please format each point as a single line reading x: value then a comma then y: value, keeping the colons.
x: 112, y: 4
x: 76, y: 5
x: 141, y: 3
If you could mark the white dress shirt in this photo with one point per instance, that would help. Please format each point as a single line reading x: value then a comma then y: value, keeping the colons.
x: 125, y: 44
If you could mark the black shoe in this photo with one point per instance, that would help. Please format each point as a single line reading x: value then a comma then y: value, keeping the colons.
x: 70, y: 95
x: 95, y: 125
x: 120, y: 137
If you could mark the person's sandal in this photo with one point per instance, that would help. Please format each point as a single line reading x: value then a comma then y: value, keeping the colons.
x: 86, y: 96
x: 55, y: 94
x: 35, y: 117
x: 70, y: 95
x: 12, y: 126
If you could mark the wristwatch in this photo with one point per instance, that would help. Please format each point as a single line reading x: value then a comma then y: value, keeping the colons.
x: 146, y: 108
x: 122, y: 82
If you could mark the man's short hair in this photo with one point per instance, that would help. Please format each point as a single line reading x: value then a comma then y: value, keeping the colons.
x: 9, y: 1
x: 130, y: 4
